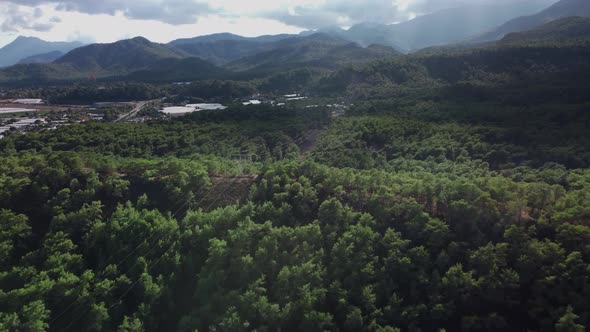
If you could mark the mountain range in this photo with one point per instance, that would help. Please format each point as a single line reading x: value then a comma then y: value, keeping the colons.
x: 25, y: 47
x: 139, y: 59
x: 543, y: 64
x: 223, y: 48
x: 317, y: 50
x: 229, y: 56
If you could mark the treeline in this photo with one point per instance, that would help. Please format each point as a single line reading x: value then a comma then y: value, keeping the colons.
x: 383, y: 134
x: 91, y: 93
x: 261, y: 133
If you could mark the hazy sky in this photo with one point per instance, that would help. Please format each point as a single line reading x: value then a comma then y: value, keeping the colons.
x: 165, y: 20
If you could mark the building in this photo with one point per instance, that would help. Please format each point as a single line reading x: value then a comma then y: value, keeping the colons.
x: 28, y: 101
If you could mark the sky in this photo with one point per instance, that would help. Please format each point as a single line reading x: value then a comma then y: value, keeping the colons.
x: 165, y: 20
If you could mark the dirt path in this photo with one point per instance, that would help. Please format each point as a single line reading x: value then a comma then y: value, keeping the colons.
x: 227, y: 190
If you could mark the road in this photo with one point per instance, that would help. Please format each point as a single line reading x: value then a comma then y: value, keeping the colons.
x: 138, y: 107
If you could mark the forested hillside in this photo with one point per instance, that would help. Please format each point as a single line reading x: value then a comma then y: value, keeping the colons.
x: 42, y: 58
x: 123, y: 56
x: 245, y: 59
x: 560, y: 9
x: 569, y: 29
x: 318, y: 50
x: 521, y: 72
x: 223, y: 48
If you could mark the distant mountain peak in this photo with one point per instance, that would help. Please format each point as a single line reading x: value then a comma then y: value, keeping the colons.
x: 216, y: 37
x: 140, y: 39
x: 225, y: 35
x: 121, y: 56
x: 24, y: 46
x: 21, y: 38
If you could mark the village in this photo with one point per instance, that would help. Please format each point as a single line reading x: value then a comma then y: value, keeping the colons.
x: 18, y: 116
x: 24, y: 115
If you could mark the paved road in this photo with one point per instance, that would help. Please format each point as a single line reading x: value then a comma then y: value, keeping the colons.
x: 138, y: 107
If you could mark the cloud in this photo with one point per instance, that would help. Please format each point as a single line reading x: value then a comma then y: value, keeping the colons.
x: 163, y: 20
x: 15, y: 19
x: 42, y: 27
x: 37, y: 13
x: 79, y: 36
x: 377, y: 11
x: 301, y: 13
x: 349, y: 12
x: 169, y: 11
x: 306, y: 17
x: 338, y: 13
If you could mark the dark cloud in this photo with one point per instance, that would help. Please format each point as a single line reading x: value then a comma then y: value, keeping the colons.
x: 169, y: 11
x: 15, y: 19
x: 42, y: 27
x: 377, y: 11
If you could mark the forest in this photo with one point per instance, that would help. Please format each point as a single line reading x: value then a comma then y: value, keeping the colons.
x: 438, y: 202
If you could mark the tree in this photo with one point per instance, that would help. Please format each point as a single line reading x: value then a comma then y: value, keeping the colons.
x: 15, y: 233
x: 131, y: 325
x: 34, y: 317
x: 567, y: 322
